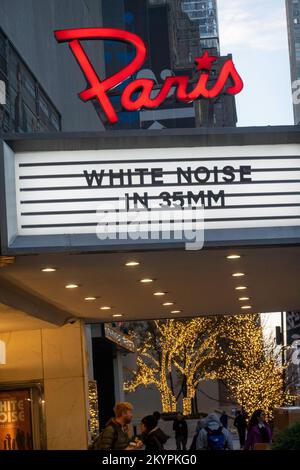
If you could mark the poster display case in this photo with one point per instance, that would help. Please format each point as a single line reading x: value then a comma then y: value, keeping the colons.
x: 22, y: 424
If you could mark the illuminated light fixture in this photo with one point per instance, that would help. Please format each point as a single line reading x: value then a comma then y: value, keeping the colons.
x: 166, y: 304
x: 233, y: 256
x: 159, y: 293
x: 132, y: 263
x: 71, y: 286
x: 146, y: 280
x: 244, y: 298
x: 117, y: 315
x: 48, y: 270
x: 246, y: 307
x: 89, y: 298
x: 176, y: 311
x: 105, y: 307
x: 2, y: 353
x: 240, y: 288
x: 238, y: 274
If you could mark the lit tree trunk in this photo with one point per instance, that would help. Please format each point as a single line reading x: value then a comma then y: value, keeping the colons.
x: 195, y: 404
x: 167, y: 398
x: 168, y: 401
x: 189, y: 393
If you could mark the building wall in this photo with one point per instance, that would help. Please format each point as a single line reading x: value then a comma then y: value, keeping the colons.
x: 293, y: 22
x: 25, y: 105
x: 193, y: 26
x: 57, y: 358
x: 29, y: 25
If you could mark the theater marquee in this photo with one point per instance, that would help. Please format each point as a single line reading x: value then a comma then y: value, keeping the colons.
x: 59, y: 191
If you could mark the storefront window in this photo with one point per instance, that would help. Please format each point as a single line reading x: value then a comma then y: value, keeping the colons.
x: 21, y: 418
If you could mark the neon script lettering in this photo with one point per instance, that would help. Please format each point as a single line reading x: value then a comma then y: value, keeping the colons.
x: 137, y: 94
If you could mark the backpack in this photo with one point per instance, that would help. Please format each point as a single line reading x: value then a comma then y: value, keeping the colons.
x: 96, y: 443
x: 215, y: 439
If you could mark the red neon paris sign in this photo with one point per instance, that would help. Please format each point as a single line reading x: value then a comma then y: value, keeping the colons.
x: 137, y: 94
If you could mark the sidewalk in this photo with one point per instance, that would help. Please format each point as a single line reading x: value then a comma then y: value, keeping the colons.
x: 171, y: 443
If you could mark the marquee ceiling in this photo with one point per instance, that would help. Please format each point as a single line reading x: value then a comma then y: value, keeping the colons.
x: 197, y: 282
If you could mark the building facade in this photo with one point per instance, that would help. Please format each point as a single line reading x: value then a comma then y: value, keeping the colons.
x: 293, y: 22
x: 25, y: 107
x: 42, y: 77
x: 46, y: 368
x: 70, y: 277
x: 293, y: 342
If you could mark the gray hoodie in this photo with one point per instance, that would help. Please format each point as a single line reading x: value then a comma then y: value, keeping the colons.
x: 213, y: 423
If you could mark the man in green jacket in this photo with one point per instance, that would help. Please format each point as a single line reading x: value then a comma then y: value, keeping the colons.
x: 115, y: 435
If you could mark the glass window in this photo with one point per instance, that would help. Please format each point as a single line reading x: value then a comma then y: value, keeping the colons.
x: 55, y: 120
x: 44, y: 106
x: 29, y: 84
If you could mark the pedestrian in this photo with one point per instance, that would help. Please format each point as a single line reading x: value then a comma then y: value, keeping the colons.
x: 200, y: 425
x: 152, y: 437
x: 163, y: 436
x: 115, y: 435
x: 241, y: 424
x: 224, y: 419
x: 214, y: 436
x: 181, y: 431
x: 259, y: 432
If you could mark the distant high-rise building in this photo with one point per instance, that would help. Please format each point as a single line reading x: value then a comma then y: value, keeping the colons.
x: 293, y: 20
x: 203, y: 13
x: 195, y: 24
x: 175, y: 32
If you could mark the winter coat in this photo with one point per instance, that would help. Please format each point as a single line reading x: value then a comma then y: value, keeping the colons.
x: 258, y: 435
x: 213, y: 423
x: 113, y: 437
x: 155, y: 440
x: 240, y: 422
x: 180, y: 428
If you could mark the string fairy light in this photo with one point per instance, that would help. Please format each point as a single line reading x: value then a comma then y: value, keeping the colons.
x: 230, y: 348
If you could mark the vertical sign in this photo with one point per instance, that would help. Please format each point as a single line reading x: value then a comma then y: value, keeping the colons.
x: 15, y: 420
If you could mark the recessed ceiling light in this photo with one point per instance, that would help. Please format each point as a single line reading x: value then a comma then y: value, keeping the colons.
x: 48, y: 270
x: 90, y: 298
x: 176, y: 311
x: 159, y: 293
x: 166, y: 304
x: 238, y: 274
x: 246, y: 307
x: 240, y: 288
x: 146, y: 280
x: 115, y: 315
x: 244, y: 298
x: 71, y: 286
x: 105, y: 307
x: 132, y: 263
x: 233, y: 256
